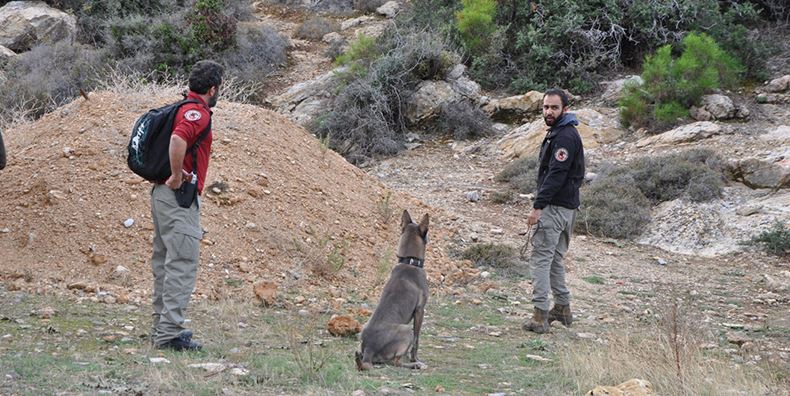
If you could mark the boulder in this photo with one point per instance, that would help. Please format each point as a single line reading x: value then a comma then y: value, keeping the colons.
x: 614, y: 89
x: 515, y: 109
x: 49, y: 24
x: 780, y: 84
x: 771, y: 170
x: 466, y: 87
x: 427, y: 101
x: 594, y: 127
x: 354, y: 22
x: 683, y: 134
x: 304, y: 101
x: 389, y: 9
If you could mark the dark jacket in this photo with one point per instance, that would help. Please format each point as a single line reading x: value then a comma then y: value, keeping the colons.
x: 561, y: 165
x: 2, y: 152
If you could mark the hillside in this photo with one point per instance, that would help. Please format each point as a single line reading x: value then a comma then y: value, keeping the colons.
x: 278, y: 205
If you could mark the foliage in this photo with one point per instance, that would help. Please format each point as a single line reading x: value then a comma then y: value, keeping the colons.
x: 491, y: 255
x: 315, y: 28
x: 775, y: 241
x: 475, y: 21
x: 672, y: 85
x: 462, y: 120
x: 612, y: 207
x: 522, y: 174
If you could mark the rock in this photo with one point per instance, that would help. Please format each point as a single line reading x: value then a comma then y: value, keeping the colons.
x: 472, y: 196
x: 614, y: 89
x: 5, y: 55
x: 358, y: 392
x: 239, y: 371
x: 53, y: 196
x: 594, y: 127
x: 129, y: 222
x: 456, y: 72
x: 343, y: 326
x: 773, y: 98
x: 348, y: 24
x: 700, y: 114
x: 98, y: 259
x: 661, y: 261
x: 333, y: 37
x: 158, y: 360
x: 427, y: 101
x: 304, y: 101
x: 682, y: 134
x: 210, y: 367
x: 265, y: 291
x: 77, y: 286
x: 737, y: 338
x: 781, y: 134
x: 780, y: 84
x: 46, y: 313
x: 778, y: 283
x: 748, y: 210
x: 537, y: 358
x: 633, y: 387
x: 50, y: 25
x: 466, y: 87
x: 389, y: 9
x: 120, y: 271
x: 515, y: 108
x: 769, y: 171
x: 17, y: 34
x: 719, y: 107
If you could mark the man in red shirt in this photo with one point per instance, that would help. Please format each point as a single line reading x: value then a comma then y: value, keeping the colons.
x: 177, y: 231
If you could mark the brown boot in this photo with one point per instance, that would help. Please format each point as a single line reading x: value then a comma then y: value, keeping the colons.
x: 539, y: 322
x: 561, y: 313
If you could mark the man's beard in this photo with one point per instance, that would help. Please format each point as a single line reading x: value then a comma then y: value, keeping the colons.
x: 212, y: 101
x: 553, y: 120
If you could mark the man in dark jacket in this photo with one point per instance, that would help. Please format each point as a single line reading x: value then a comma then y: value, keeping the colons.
x: 560, y: 174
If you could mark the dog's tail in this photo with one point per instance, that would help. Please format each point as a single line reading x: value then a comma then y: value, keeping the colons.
x: 360, y: 364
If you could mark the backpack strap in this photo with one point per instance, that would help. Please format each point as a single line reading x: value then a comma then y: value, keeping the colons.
x: 196, y: 145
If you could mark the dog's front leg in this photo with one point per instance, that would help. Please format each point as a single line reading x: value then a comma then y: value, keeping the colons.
x: 418, y: 315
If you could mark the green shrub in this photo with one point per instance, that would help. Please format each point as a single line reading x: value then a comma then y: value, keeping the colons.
x: 611, y: 207
x: 475, y: 22
x: 521, y: 174
x: 775, y: 241
x: 316, y: 28
x: 210, y: 27
x: 363, y: 49
x: 671, y: 86
x: 462, y: 121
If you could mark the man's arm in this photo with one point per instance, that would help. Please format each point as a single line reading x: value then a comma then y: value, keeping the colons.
x: 2, y: 152
x: 178, y: 148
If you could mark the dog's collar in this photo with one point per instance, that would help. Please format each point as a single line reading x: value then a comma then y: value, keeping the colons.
x: 411, y: 261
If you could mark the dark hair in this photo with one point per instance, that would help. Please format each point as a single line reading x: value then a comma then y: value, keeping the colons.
x: 205, y: 74
x: 558, y: 92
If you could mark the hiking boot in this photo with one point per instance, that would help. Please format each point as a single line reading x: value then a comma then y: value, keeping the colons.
x: 561, y: 313
x: 539, y: 322
x: 182, y: 343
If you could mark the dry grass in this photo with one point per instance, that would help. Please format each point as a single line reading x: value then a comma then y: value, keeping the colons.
x: 669, y: 354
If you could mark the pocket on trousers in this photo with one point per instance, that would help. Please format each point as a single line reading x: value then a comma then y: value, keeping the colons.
x: 194, y: 232
x: 539, y: 236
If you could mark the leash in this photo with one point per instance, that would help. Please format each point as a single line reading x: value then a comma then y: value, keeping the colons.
x: 527, y: 244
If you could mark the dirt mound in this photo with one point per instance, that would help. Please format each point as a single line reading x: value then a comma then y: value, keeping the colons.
x: 277, y: 206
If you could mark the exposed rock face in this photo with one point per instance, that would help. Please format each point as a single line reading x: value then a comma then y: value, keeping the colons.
x: 716, y: 227
x: 389, y: 9
x: 771, y: 170
x: 515, y: 108
x: 614, y: 89
x: 595, y: 129
x: 427, y: 101
x: 304, y: 101
x: 24, y: 24
x: 780, y: 135
x: 718, y: 107
x: 683, y: 134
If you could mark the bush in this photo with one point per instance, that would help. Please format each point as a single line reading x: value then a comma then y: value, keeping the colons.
x: 775, y: 241
x: 48, y: 76
x: 502, y: 197
x: 612, y: 207
x: 258, y: 53
x: 475, y: 22
x: 464, y: 121
x: 671, y: 86
x: 366, y: 118
x: 315, y: 28
x: 503, y: 258
x: 522, y: 174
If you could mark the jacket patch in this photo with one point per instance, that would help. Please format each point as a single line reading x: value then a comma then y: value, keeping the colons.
x: 192, y: 115
x: 561, y: 154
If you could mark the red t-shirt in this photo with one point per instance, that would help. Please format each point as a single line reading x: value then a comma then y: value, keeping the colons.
x: 191, y: 120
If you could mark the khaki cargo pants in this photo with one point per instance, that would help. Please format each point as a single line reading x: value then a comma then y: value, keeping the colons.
x: 549, y: 245
x: 174, y: 262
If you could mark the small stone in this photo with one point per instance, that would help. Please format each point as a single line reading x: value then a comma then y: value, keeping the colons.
x: 538, y: 358
x: 303, y: 312
x: 587, y: 336
x: 121, y: 271
x: 485, y: 274
x: 476, y: 302
x: 472, y: 196
x: 497, y: 231
x: 158, y: 360
x: 737, y: 338
x: 358, y: 392
x: 438, y: 389
x: 265, y: 291
x: 343, y: 325
x: 660, y: 261
x: 98, y: 259
x: 210, y: 367
x: 299, y: 299
x: 128, y: 223
x: 46, y: 313
x: 239, y: 371
x: 5, y: 231
x: 748, y: 210
x: 251, y: 225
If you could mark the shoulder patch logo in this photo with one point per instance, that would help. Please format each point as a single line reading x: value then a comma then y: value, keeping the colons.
x: 561, y: 154
x: 192, y: 115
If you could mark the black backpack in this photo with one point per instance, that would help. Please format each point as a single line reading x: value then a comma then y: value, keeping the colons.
x: 149, y: 146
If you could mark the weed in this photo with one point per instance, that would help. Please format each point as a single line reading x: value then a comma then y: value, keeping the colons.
x: 384, y: 208
x: 384, y: 265
x: 594, y: 279
x: 775, y: 241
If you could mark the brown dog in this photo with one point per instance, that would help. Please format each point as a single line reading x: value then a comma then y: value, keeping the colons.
x: 387, y: 336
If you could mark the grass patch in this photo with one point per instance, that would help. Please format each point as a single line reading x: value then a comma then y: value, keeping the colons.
x: 594, y: 279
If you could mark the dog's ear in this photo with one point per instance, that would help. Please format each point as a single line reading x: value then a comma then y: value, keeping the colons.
x: 405, y: 220
x: 424, y: 225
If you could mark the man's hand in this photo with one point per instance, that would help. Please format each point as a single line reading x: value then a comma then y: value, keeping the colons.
x: 175, y: 182
x: 534, y: 216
